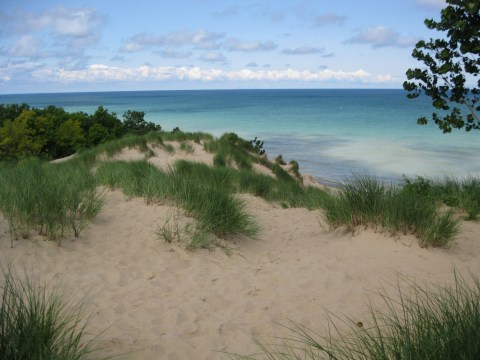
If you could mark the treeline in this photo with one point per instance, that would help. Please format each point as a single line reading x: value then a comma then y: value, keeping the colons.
x: 52, y: 132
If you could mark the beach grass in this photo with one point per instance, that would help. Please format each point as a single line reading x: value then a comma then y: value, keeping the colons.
x: 365, y: 201
x: 37, y: 321
x: 419, y: 322
x: 60, y: 198
x: 463, y: 194
x: 203, y: 192
x: 51, y: 199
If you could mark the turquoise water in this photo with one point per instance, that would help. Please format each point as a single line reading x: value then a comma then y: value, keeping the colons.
x: 331, y: 133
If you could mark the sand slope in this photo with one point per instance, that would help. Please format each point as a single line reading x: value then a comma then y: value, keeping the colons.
x: 163, y: 302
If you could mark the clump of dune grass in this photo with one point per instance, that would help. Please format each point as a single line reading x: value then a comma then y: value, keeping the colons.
x: 182, y: 136
x: 51, y: 199
x: 169, y: 148
x: 279, y: 160
x: 207, y: 194
x: 418, y: 323
x: 38, y: 322
x: 233, y: 148
x: 365, y: 201
x: 186, y: 147
x: 463, y: 194
x: 203, y: 192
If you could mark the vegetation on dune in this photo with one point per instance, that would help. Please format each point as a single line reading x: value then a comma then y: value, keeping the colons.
x: 439, y: 323
x: 38, y: 322
x: 365, y: 201
x: 65, y: 199
x: 463, y: 194
x: 50, y: 199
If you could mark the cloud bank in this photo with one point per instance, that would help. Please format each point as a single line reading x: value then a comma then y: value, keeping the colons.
x: 105, y: 73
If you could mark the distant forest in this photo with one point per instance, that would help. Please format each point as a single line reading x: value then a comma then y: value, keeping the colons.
x: 52, y: 132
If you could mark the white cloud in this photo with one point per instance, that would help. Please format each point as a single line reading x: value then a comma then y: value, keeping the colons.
x: 382, y: 36
x: 63, y: 21
x: 200, y: 38
x: 329, y: 19
x: 174, y: 54
x: 26, y: 46
x: 213, y: 57
x: 304, y: 50
x: 248, y: 46
x: 64, y: 33
x: 435, y: 4
x: 101, y: 73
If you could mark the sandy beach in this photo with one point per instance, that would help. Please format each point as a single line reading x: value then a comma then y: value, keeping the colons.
x: 158, y: 300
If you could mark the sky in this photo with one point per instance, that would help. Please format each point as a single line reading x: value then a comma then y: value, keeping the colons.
x: 114, y: 45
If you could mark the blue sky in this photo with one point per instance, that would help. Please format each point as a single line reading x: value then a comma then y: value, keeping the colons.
x: 107, y: 45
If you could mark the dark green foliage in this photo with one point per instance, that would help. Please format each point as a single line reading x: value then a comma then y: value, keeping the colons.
x: 450, y: 62
x: 52, y: 133
x: 11, y: 111
x: 134, y: 122
x: 38, y: 322
x: 441, y: 323
x: 258, y: 146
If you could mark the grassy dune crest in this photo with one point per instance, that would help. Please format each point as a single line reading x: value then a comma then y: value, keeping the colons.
x: 56, y: 199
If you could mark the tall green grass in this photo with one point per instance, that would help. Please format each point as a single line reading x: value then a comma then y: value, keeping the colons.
x: 38, y: 322
x: 232, y: 148
x: 205, y: 193
x: 441, y: 323
x: 462, y: 194
x: 365, y: 201
x: 52, y: 199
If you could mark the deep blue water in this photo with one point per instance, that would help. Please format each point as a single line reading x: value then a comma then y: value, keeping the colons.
x: 331, y: 133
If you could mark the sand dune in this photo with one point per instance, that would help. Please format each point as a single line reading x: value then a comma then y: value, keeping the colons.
x: 160, y: 301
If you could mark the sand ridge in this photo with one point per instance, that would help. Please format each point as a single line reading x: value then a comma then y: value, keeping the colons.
x: 159, y: 300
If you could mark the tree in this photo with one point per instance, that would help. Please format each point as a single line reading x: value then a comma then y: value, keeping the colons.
x: 21, y: 138
x: 69, y: 137
x: 451, y: 64
x: 134, y: 121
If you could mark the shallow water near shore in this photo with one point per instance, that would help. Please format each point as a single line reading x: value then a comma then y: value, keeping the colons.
x: 331, y: 133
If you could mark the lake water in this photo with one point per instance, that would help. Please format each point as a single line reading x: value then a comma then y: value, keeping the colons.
x: 331, y: 133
